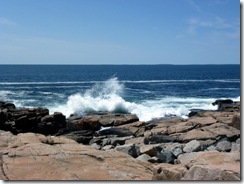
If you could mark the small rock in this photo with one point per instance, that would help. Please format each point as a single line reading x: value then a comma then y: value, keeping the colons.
x: 118, y: 141
x: 177, y: 151
x: 97, y: 140
x: 224, y: 146
x: 206, y: 143
x: 211, y: 148
x: 166, y: 157
x: 238, y: 141
x: 143, y: 157
x: 168, y: 172
x: 192, y: 146
x: 151, y: 150
x: 235, y: 147
x: 108, y: 147
x: 96, y: 146
x: 153, y: 160
x: 130, y: 149
x: 186, y: 157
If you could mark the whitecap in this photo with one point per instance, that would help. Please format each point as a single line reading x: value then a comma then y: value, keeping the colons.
x: 108, y: 96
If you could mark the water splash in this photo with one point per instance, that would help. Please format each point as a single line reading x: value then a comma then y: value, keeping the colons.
x: 108, y: 97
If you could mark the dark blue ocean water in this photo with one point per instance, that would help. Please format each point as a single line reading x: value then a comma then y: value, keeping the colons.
x: 148, y: 90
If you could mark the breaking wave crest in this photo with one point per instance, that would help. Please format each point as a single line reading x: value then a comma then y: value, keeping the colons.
x: 108, y: 96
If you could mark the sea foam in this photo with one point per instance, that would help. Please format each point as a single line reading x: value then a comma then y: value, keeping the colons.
x: 108, y: 97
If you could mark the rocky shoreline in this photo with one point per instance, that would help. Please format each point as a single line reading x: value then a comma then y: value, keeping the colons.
x: 105, y: 146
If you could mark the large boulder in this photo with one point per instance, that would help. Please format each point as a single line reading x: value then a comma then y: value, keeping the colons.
x: 224, y: 104
x: 51, y: 124
x: 85, y: 123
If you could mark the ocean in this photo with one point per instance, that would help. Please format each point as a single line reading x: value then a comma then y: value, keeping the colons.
x: 149, y: 91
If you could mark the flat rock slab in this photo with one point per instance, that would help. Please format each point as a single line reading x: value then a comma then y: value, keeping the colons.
x: 27, y: 157
x: 201, y: 121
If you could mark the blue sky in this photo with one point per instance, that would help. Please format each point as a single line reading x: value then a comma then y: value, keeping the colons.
x: 119, y: 32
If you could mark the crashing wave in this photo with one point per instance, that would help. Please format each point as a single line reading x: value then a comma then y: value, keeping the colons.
x: 108, y: 97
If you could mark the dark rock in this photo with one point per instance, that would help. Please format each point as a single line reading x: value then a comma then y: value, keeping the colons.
x: 59, y: 120
x: 20, y: 120
x: 8, y: 106
x: 166, y: 157
x: 51, y: 124
x: 82, y: 136
x: 85, y: 123
x: 3, y: 118
x: 192, y: 113
x: 223, y: 104
x: 23, y: 124
x: 47, y: 118
x: 40, y: 111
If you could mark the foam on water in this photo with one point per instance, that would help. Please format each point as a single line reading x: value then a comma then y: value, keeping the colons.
x: 108, y: 96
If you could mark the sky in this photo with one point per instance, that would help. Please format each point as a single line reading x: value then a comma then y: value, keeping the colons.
x: 119, y: 32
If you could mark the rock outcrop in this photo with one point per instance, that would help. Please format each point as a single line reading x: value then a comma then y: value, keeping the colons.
x: 32, y: 156
x: 105, y: 146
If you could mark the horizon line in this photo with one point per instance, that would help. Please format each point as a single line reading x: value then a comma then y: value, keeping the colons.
x: 119, y: 64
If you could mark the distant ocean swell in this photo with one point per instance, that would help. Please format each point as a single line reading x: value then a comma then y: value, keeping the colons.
x: 122, y: 81
x: 108, y: 96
